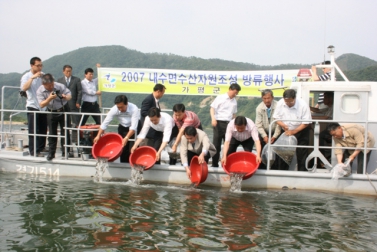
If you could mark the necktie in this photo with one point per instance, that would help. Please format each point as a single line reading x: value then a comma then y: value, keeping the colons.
x: 67, y: 82
x: 193, y: 145
x: 269, y: 113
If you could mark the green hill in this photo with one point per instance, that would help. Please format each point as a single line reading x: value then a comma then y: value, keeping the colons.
x: 354, y: 62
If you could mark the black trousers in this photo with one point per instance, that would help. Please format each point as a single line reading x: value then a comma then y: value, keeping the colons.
x: 360, y: 160
x: 278, y: 164
x: 125, y: 157
x: 90, y: 107
x: 218, y: 137
x: 302, y: 153
x: 191, y: 154
x: 157, y: 141
x: 40, y: 128
x: 247, y: 145
x: 54, y: 121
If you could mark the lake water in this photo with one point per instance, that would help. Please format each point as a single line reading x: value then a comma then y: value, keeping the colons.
x: 71, y: 214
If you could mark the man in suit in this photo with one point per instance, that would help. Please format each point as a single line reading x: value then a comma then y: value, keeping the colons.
x: 74, y: 85
x: 195, y: 142
x: 151, y: 101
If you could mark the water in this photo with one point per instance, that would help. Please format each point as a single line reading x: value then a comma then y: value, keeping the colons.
x: 71, y: 214
x: 101, y: 165
x: 236, y: 181
x: 137, y: 174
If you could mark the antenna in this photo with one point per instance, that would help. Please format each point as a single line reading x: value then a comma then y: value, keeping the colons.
x: 324, y: 32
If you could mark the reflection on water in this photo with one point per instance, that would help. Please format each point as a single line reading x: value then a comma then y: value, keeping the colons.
x: 42, y: 214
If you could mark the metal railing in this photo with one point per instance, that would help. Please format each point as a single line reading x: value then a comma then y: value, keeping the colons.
x: 365, y: 123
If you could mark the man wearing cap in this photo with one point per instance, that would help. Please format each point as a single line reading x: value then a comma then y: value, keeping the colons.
x: 30, y: 82
x: 128, y: 117
x: 54, y: 97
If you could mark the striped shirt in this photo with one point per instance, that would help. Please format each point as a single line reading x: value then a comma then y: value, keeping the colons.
x: 250, y: 131
x: 190, y: 119
x: 323, y: 77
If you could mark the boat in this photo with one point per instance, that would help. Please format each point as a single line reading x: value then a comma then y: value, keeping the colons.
x: 353, y: 102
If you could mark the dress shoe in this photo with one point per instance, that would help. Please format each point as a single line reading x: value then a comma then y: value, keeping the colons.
x: 50, y: 156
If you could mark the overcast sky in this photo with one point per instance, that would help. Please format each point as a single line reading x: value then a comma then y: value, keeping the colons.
x: 263, y: 32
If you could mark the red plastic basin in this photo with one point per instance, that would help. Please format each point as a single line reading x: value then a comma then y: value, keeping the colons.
x: 241, y: 162
x: 145, y: 156
x: 199, y: 172
x: 108, y: 146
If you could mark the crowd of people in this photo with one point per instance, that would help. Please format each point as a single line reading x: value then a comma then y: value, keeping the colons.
x: 183, y: 129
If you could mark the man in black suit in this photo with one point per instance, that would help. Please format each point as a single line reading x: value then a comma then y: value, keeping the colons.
x: 74, y: 85
x: 151, y: 101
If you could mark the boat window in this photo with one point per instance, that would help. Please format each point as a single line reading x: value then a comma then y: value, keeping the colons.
x: 350, y: 103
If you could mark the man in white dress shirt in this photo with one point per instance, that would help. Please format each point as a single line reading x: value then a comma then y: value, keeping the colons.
x: 241, y: 130
x: 128, y: 116
x: 89, y: 96
x: 30, y: 82
x: 294, y: 108
x: 223, y: 109
x: 162, y: 123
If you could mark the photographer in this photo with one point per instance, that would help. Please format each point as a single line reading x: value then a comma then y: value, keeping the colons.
x: 54, y: 96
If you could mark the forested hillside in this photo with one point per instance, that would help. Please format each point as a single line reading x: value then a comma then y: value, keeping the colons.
x: 359, y: 68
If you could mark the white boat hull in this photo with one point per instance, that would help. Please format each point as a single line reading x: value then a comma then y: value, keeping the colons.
x: 16, y: 162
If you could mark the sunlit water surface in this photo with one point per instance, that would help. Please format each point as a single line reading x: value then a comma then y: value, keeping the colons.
x: 71, y: 214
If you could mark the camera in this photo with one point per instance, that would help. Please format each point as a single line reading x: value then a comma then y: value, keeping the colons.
x: 57, y: 93
x: 23, y: 94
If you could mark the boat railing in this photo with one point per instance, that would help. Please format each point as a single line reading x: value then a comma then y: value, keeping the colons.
x: 316, y: 130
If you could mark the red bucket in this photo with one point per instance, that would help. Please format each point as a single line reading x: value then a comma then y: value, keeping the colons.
x: 108, y: 146
x: 199, y: 172
x: 241, y: 162
x: 145, y: 156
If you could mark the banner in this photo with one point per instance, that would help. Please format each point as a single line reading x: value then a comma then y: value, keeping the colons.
x: 193, y: 82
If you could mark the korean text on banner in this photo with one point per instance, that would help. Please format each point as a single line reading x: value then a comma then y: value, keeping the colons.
x: 193, y: 82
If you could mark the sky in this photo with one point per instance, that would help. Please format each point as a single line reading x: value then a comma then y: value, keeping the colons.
x: 262, y: 32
